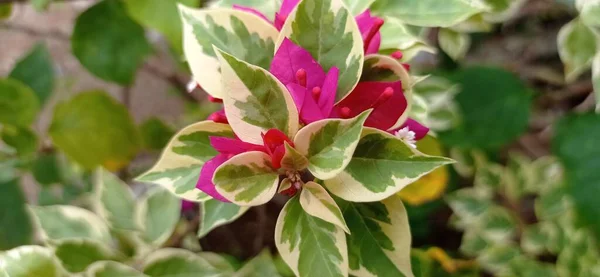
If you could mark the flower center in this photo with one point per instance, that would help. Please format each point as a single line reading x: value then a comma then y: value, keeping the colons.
x: 301, y: 77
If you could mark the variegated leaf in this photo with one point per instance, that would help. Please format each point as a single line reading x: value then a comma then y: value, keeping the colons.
x: 159, y: 213
x: 177, y: 262
x: 381, y: 166
x: 576, y: 47
x: 77, y: 254
x: 384, y: 68
x: 329, y: 32
x: 29, y: 260
x: 397, y: 35
x: 596, y: 79
x: 260, y: 266
x: 310, y: 245
x: 266, y: 7
x: 316, y: 201
x: 180, y: 163
x: 293, y: 160
x: 255, y: 101
x: 114, y: 202
x: 328, y: 144
x: 358, y: 6
x: 380, y: 241
x: 60, y: 222
x: 215, y: 213
x: 111, y: 269
x: 247, y: 179
x: 455, y: 44
x: 244, y: 35
x: 429, y: 13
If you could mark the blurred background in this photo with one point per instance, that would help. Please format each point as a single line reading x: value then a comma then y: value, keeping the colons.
x: 510, y: 96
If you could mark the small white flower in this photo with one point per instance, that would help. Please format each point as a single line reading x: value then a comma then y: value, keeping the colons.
x: 191, y: 85
x: 407, y: 136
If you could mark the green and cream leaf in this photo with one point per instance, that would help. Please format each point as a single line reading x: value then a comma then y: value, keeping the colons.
x: 397, y: 35
x: 596, y: 79
x: 77, y: 254
x: 114, y: 202
x: 455, y: 44
x: 381, y: 166
x: 358, y: 6
x: 310, y: 245
x: 244, y: 35
x: 329, y: 32
x: 576, y: 47
x: 293, y: 160
x: 111, y: 269
x: 159, y: 213
x: 215, y: 213
x: 380, y: 241
x: 60, y: 222
x: 177, y: 262
x: 247, y: 179
x: 30, y: 260
x: 255, y: 101
x: 179, y: 166
x: 328, y: 144
x: 267, y: 7
x: 429, y: 13
x: 315, y: 201
x: 260, y: 266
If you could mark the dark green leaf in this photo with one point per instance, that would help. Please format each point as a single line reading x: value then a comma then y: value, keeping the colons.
x: 36, y: 71
x: 21, y: 139
x: 109, y: 43
x: 15, y: 223
x: 495, y: 109
x: 18, y: 103
x: 576, y: 144
x: 93, y: 129
x: 46, y: 169
x: 155, y: 133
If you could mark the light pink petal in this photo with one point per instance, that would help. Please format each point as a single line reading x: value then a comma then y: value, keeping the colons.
x: 289, y: 59
x: 233, y: 146
x: 413, y: 125
x: 297, y: 92
x: 328, y: 91
x: 205, y: 183
x: 252, y: 11
x: 367, y: 95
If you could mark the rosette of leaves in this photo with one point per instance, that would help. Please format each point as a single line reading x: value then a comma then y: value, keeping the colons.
x: 578, y: 44
x: 120, y: 237
x: 310, y: 111
x: 517, y: 216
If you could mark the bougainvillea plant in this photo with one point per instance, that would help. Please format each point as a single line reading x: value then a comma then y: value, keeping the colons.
x: 310, y: 111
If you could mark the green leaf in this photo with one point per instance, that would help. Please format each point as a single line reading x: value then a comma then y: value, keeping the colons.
x: 77, y: 254
x: 397, y: 35
x: 316, y: 201
x: 222, y: 262
x: 260, y: 266
x: 180, y: 163
x: 36, y: 70
x: 328, y: 144
x: 380, y: 241
x: 329, y: 32
x: 596, y: 79
x: 59, y: 222
x: 309, y: 245
x: 469, y: 204
x: 497, y: 225
x: 576, y: 145
x: 589, y: 11
x: 358, y: 6
x: 428, y: 13
x: 381, y: 166
x: 453, y: 43
x: 473, y: 243
x: 533, y: 240
x: 293, y: 160
x: 162, y: 16
x: 576, y: 47
x: 46, y: 169
x: 111, y: 269
x: 255, y: 101
x: 97, y: 42
x: 18, y: 104
x: 5, y: 10
x: 94, y: 129
x: 15, y: 222
x: 28, y: 261
x: 177, y: 262
x: 268, y: 7
x: 215, y: 213
x: 552, y: 204
x: 492, y: 119
x: 159, y: 214
x: 155, y: 133
x: 242, y: 34
x: 497, y: 259
x: 22, y: 139
x: 114, y: 202
x: 247, y: 179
